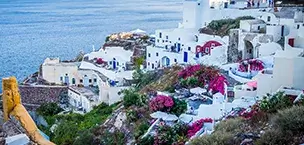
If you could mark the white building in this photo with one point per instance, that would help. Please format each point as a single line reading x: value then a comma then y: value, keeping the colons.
x: 185, y: 45
x: 115, y: 57
x: 83, y: 99
x: 287, y: 72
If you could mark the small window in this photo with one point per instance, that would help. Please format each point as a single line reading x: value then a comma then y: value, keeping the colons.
x: 167, y: 37
x: 199, y: 4
x: 110, y: 62
x: 175, y: 60
x: 171, y: 42
x: 90, y: 80
x: 61, y: 78
x: 268, y: 18
x: 182, y: 44
x: 298, y: 26
x: 81, y: 81
x: 197, y: 55
x: 95, y: 80
x: 302, y: 24
x: 160, y: 35
x: 148, y: 63
x: 207, y: 50
x: 117, y: 63
x: 259, y: 27
x: 149, y: 55
x: 152, y: 65
x: 166, y: 40
x: 156, y: 53
x: 163, y: 41
x: 189, y: 48
x: 179, y: 38
x: 157, y: 40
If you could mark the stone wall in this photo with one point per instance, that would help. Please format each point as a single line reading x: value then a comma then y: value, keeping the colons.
x: 233, y: 46
x: 32, y: 96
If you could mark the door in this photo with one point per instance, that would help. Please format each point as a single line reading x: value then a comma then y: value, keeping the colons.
x: 86, y: 80
x: 178, y: 47
x: 291, y: 42
x: 282, y: 31
x: 114, y: 63
x: 185, y: 56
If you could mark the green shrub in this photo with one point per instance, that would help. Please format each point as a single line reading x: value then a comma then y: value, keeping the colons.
x: 130, y: 98
x: 49, y: 109
x: 85, y: 138
x: 65, y: 133
x: 274, y: 137
x: 148, y: 140
x: 180, y: 106
x: 115, y: 138
x: 291, y: 119
x: 276, y: 102
x: 230, y: 125
x: 141, y: 129
x: 218, y: 138
x: 132, y: 116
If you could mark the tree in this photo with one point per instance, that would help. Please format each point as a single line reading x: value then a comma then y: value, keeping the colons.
x: 49, y: 109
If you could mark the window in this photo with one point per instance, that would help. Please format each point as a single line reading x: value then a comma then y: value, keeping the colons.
x: 160, y: 35
x: 117, y: 63
x: 61, y: 78
x: 199, y: 4
x: 207, y: 50
x: 268, y: 18
x: 259, y: 27
x: 156, y: 53
x: 298, y: 26
x: 80, y: 80
x: 197, y: 55
x: 110, y: 62
x: 157, y: 40
x: 175, y: 60
x: 167, y: 37
x: 179, y: 39
x: 90, y: 80
x: 152, y: 65
x: 149, y: 55
x: 163, y: 41
x: 148, y: 63
x: 73, y: 81
x: 171, y: 42
x: 95, y: 80
x: 302, y: 24
x: 182, y: 44
x: 166, y: 40
x: 189, y: 48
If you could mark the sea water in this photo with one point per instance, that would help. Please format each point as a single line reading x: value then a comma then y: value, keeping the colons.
x: 31, y: 30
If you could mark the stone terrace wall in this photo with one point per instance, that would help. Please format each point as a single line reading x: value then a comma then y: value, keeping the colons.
x: 37, y: 95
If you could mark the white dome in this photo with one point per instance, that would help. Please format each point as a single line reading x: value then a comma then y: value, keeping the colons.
x: 269, y: 49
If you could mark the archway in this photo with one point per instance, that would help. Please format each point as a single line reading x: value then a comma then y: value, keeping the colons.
x: 165, y: 61
x: 248, y: 52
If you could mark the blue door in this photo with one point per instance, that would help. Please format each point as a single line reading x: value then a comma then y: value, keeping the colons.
x: 114, y: 63
x: 178, y: 47
x: 66, y: 79
x: 185, y: 56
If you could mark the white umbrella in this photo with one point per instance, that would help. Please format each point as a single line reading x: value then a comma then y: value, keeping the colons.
x: 198, y: 90
x: 185, y: 118
x: 170, y: 117
x: 138, y: 31
x: 158, y: 114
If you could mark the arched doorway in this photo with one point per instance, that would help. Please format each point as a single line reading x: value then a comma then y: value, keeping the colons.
x: 248, y: 53
x: 73, y: 81
x: 66, y: 79
x: 165, y: 61
x: 85, y: 81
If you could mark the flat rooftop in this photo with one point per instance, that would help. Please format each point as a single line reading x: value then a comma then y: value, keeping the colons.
x: 88, y: 93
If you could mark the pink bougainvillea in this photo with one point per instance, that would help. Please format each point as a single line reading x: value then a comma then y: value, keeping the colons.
x: 161, y: 103
x: 218, y: 84
x: 197, y: 125
x: 255, y: 65
x: 99, y: 61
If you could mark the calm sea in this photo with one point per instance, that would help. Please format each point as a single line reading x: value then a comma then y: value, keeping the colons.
x: 31, y: 30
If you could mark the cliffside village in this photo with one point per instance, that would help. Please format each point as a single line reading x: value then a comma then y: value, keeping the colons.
x: 263, y: 55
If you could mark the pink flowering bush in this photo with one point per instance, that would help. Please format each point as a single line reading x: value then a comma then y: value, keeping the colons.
x: 99, y: 61
x: 255, y: 65
x: 197, y: 125
x: 161, y: 103
x: 218, y: 84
